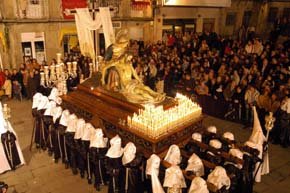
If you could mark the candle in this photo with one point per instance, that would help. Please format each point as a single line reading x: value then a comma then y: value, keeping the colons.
x: 58, y: 58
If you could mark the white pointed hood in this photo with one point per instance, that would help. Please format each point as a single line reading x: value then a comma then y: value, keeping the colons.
x: 152, y: 169
x: 198, y: 185
x: 43, y: 104
x: 116, y: 150
x: 219, y: 178
x: 56, y: 113
x: 64, y: 118
x: 36, y: 100
x: 173, y: 155
x: 195, y: 165
x: 79, y: 128
x: 197, y: 137
x: 53, y: 94
x: 257, y: 136
x: 51, y: 105
x: 88, y: 131
x: 174, y: 177
x: 71, y: 123
x: 129, y: 153
x: 97, y: 139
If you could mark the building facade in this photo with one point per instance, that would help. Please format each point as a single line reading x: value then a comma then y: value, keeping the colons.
x: 40, y: 29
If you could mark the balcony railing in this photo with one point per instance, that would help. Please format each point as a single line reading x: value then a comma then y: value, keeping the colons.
x: 32, y: 9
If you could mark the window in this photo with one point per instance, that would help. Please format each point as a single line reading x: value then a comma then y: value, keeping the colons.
x: 286, y: 12
x: 272, y: 14
x: 31, y: 9
x: 231, y: 19
x: 247, y: 18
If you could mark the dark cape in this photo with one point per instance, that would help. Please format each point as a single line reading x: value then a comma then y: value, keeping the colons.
x: 115, y: 169
x: 8, y: 141
x: 97, y: 160
x: 132, y: 175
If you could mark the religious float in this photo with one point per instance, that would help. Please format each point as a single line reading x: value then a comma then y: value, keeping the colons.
x: 123, y: 105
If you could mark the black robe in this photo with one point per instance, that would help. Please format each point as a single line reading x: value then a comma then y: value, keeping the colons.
x: 97, y: 160
x: 132, y: 176
x: 115, y: 169
x: 61, y: 146
x: 40, y: 135
x: 8, y: 142
x: 48, y: 129
x: 236, y: 177
x: 71, y: 149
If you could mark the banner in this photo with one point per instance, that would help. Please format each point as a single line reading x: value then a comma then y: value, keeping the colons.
x: 198, y: 3
x: 72, y: 4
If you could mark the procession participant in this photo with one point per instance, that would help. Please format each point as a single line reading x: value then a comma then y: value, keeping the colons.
x: 11, y: 155
x: 60, y: 132
x: 198, y: 185
x: 251, y: 158
x: 209, y: 134
x: 192, y: 147
x: 235, y: 171
x: 98, y: 149
x: 173, y: 155
x: 195, y: 165
x: 79, y: 130
x: 53, y: 94
x: 152, y: 171
x: 259, y: 139
x: 228, y: 141
x: 212, y: 156
x: 174, y: 179
x: 219, y: 179
x: 56, y: 113
x: 40, y: 133
x: 48, y: 125
x: 36, y: 119
x: 87, y: 133
x: 114, y: 165
x: 132, y: 163
x: 70, y: 144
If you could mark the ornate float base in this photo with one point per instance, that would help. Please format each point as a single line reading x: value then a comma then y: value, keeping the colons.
x: 109, y: 110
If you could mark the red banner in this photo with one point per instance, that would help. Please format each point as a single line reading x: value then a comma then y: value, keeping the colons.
x: 72, y: 4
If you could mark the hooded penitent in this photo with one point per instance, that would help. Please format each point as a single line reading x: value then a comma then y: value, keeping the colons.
x: 71, y: 123
x: 53, y: 94
x: 152, y: 169
x: 174, y: 178
x: 116, y: 150
x: 229, y: 136
x: 36, y: 100
x: 198, y: 185
x: 195, y: 165
x: 258, y: 138
x: 129, y: 153
x: 97, y: 139
x: 79, y: 128
x: 10, y: 150
x: 173, y: 155
x: 197, y: 137
x: 212, y: 129
x: 219, y: 178
x: 64, y: 118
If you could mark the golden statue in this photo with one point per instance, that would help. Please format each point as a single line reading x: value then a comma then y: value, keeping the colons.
x: 122, y: 76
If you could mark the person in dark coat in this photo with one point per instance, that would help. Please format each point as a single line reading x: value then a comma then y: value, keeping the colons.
x: 132, y: 163
x: 98, y: 149
x: 114, y: 165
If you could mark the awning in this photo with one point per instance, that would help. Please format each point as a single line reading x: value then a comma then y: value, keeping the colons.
x: 66, y: 31
x: 2, y: 39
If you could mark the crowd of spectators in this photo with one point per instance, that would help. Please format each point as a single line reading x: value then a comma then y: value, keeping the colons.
x: 221, y: 73
x: 25, y: 81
